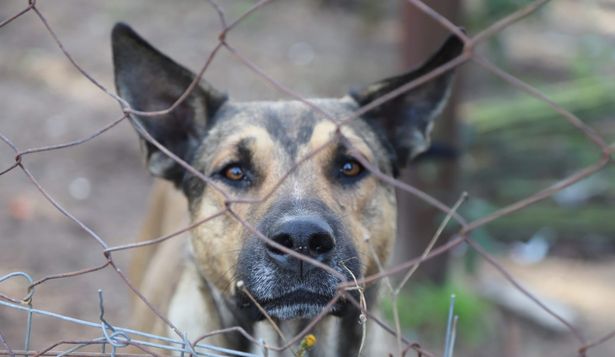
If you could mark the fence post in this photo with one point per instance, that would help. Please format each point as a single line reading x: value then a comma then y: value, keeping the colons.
x: 420, y: 37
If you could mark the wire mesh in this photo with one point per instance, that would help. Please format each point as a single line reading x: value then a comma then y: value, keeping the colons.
x: 113, y: 340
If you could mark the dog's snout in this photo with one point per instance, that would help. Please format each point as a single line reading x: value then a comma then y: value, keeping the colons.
x: 310, y: 236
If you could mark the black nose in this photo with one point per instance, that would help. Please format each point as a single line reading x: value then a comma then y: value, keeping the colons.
x: 310, y: 236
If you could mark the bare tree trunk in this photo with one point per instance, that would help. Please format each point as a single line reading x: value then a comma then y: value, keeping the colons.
x: 417, y: 221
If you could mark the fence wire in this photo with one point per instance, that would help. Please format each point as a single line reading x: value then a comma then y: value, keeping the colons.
x: 113, y: 340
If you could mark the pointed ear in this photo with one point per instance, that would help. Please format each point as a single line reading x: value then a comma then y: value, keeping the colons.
x: 150, y: 81
x: 408, y: 118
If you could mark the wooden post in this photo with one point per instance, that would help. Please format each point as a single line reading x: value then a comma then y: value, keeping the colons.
x: 417, y: 221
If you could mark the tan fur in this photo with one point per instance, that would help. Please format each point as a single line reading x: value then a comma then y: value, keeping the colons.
x: 155, y: 269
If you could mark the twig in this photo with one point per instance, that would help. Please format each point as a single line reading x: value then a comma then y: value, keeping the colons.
x: 363, y: 303
x: 241, y: 286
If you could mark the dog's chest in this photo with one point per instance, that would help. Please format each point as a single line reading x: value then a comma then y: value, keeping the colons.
x: 327, y: 334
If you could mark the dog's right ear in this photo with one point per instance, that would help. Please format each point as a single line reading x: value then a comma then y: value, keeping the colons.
x: 150, y: 81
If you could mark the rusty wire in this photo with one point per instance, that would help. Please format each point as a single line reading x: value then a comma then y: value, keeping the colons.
x: 462, y: 236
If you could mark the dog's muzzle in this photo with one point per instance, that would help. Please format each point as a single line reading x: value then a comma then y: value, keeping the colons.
x: 286, y: 286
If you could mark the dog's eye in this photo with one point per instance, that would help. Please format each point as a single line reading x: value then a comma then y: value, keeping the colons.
x: 237, y: 175
x: 351, y: 168
x: 234, y: 172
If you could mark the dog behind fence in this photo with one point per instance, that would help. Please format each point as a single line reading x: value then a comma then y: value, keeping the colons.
x: 112, y: 340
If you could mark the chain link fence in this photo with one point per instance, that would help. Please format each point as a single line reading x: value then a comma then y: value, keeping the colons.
x: 114, y: 340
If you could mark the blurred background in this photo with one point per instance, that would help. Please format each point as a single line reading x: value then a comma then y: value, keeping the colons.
x: 496, y: 142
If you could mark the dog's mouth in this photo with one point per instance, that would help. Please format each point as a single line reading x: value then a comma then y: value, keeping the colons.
x: 300, y: 303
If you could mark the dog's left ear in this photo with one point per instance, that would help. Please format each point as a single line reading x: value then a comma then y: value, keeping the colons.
x: 408, y: 118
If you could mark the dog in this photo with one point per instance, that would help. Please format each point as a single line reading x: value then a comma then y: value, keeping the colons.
x: 329, y: 208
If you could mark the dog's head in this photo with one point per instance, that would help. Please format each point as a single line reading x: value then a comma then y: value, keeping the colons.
x: 316, y: 198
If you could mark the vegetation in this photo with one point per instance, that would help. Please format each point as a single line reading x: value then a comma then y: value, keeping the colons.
x: 424, y: 307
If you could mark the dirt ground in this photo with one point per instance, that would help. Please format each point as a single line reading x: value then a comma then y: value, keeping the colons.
x: 315, y: 51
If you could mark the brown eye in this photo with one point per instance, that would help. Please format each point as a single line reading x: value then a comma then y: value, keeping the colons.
x: 351, y: 168
x: 234, y: 173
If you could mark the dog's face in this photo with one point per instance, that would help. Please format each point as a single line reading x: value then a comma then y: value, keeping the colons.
x: 315, y: 197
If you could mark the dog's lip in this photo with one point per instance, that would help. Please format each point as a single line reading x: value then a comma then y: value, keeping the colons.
x: 300, y: 303
x: 297, y: 297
